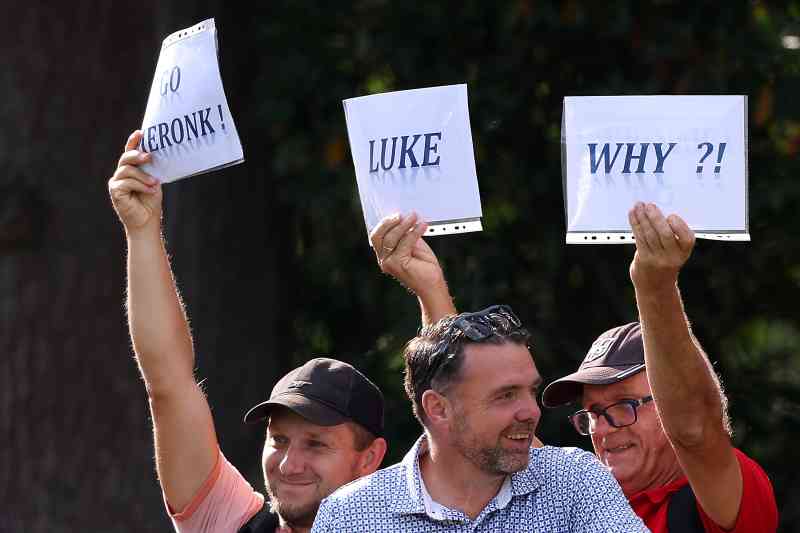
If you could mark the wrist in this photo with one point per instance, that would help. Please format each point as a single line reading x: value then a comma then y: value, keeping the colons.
x: 434, y: 291
x: 146, y: 232
x: 653, y: 279
x: 657, y: 295
x: 437, y: 303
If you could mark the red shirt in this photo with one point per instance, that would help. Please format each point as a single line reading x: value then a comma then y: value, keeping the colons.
x: 758, y: 512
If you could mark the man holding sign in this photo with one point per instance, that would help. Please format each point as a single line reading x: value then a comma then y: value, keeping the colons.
x: 478, y: 466
x: 324, y: 419
x: 473, y: 384
x: 654, y: 407
x: 651, y: 401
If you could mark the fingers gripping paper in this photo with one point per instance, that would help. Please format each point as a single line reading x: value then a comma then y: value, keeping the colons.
x: 687, y: 154
x: 412, y: 150
x: 187, y: 125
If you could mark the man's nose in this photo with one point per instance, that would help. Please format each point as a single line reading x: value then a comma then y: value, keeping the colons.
x: 601, y: 426
x: 292, y: 462
x: 528, y: 409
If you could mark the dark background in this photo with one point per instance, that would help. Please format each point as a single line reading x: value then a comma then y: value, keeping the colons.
x: 271, y: 255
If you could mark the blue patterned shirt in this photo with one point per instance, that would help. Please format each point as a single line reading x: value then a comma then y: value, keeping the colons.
x: 562, y: 490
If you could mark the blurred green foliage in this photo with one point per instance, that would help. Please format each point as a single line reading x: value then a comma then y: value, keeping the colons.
x: 293, y: 63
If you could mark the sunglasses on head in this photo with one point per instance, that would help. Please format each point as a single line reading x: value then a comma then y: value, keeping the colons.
x: 477, y: 326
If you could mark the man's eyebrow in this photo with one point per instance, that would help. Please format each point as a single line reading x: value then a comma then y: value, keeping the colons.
x: 515, y: 386
x: 317, y: 435
x: 504, y: 388
x: 626, y: 395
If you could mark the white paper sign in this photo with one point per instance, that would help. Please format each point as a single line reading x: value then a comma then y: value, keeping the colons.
x: 412, y: 150
x: 187, y: 125
x: 687, y: 154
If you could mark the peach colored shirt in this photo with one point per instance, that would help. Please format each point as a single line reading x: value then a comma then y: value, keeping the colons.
x: 223, y: 504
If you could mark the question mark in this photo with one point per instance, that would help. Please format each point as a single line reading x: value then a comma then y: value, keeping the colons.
x: 709, y: 149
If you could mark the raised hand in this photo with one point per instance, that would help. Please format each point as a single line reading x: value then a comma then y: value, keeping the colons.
x: 663, y: 245
x: 403, y: 254
x: 135, y: 194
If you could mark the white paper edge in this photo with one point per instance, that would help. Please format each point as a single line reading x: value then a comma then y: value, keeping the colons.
x: 185, y: 33
x: 404, y: 91
x: 626, y: 237
x: 200, y: 172
x: 450, y: 227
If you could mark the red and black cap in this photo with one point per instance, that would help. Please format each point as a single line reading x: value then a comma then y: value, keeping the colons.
x: 616, y: 355
x: 326, y: 392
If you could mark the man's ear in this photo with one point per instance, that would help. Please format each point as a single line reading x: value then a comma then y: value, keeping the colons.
x: 372, y: 457
x: 436, y: 407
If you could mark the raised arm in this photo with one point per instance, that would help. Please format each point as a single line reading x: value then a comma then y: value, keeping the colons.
x: 403, y: 254
x: 185, y: 441
x: 687, y: 393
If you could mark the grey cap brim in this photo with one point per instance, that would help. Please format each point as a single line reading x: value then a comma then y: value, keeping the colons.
x: 569, y: 388
x: 313, y: 411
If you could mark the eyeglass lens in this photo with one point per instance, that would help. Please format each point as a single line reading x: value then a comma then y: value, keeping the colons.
x: 617, y: 415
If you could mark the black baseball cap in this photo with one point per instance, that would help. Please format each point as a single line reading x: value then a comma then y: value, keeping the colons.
x: 617, y: 354
x: 326, y: 392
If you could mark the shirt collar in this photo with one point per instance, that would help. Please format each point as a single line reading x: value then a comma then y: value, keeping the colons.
x: 659, y: 494
x: 420, y: 501
x: 414, y: 503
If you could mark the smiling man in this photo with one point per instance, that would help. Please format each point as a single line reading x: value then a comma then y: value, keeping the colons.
x: 654, y: 407
x: 651, y: 401
x: 324, y: 419
x: 324, y: 425
x: 473, y: 385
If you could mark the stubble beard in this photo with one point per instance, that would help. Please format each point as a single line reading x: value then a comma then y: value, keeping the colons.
x: 295, y: 515
x: 491, y: 459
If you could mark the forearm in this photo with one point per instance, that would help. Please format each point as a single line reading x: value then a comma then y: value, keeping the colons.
x: 158, y: 325
x: 435, y: 303
x: 682, y: 380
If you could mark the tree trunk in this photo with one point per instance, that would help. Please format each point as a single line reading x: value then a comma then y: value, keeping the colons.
x: 77, y: 443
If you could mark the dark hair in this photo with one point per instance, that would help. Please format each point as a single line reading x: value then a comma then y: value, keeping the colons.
x: 433, y: 359
x: 362, y: 437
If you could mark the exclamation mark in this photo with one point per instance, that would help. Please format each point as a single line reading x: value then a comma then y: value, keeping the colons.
x: 720, y: 153
x: 219, y: 108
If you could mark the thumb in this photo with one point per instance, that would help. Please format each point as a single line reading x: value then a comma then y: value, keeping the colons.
x: 133, y: 140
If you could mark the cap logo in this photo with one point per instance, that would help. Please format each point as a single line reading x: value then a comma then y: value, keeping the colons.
x: 599, y: 349
x: 298, y: 384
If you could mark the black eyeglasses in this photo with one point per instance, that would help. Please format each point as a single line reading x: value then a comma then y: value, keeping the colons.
x: 618, y: 415
x: 477, y: 326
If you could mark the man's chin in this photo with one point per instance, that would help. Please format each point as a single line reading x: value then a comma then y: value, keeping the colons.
x: 512, y: 462
x: 295, y: 504
x: 625, y: 476
x: 296, y: 515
